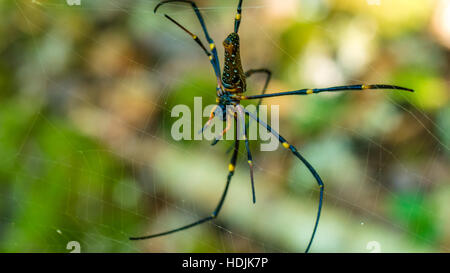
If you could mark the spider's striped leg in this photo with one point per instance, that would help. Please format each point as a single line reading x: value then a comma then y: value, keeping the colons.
x: 195, y: 37
x: 213, y: 56
x: 244, y: 126
x: 357, y: 87
x: 219, y: 137
x: 215, y: 213
x: 237, y: 19
x: 307, y: 164
x: 211, y: 116
x: 266, y: 83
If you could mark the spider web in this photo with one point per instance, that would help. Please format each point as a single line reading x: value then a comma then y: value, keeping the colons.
x: 95, y: 162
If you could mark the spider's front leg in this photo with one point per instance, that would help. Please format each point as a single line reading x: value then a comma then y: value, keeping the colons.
x: 212, y: 54
x: 219, y: 137
x: 218, y: 111
x: 208, y: 123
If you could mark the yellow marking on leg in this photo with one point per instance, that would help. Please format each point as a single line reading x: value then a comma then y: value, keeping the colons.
x: 231, y: 167
x: 250, y: 162
x: 212, y: 46
x: 212, y: 114
x: 365, y: 86
x: 286, y: 145
x: 309, y: 91
x: 210, y: 57
x: 194, y: 37
x: 238, y: 16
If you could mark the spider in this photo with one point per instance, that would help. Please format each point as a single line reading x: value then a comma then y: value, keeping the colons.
x: 230, y: 89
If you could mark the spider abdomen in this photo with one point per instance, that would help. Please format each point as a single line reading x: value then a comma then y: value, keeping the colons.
x: 233, y: 77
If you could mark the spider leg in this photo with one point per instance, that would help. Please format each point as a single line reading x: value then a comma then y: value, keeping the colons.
x: 307, y: 164
x: 224, y: 131
x: 215, y: 213
x: 237, y: 19
x: 268, y: 73
x: 211, y: 116
x: 213, y: 55
x: 266, y: 83
x: 329, y: 89
x: 241, y: 115
x: 195, y: 37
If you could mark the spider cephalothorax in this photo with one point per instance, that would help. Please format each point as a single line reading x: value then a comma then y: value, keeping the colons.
x: 223, y: 102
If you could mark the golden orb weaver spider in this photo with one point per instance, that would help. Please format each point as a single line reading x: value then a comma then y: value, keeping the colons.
x: 230, y: 88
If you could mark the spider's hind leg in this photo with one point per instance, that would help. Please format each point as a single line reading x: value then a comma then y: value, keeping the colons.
x: 215, y: 213
x: 244, y: 126
x: 304, y: 161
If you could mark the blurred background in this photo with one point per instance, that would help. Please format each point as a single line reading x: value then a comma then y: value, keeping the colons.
x: 86, y: 93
